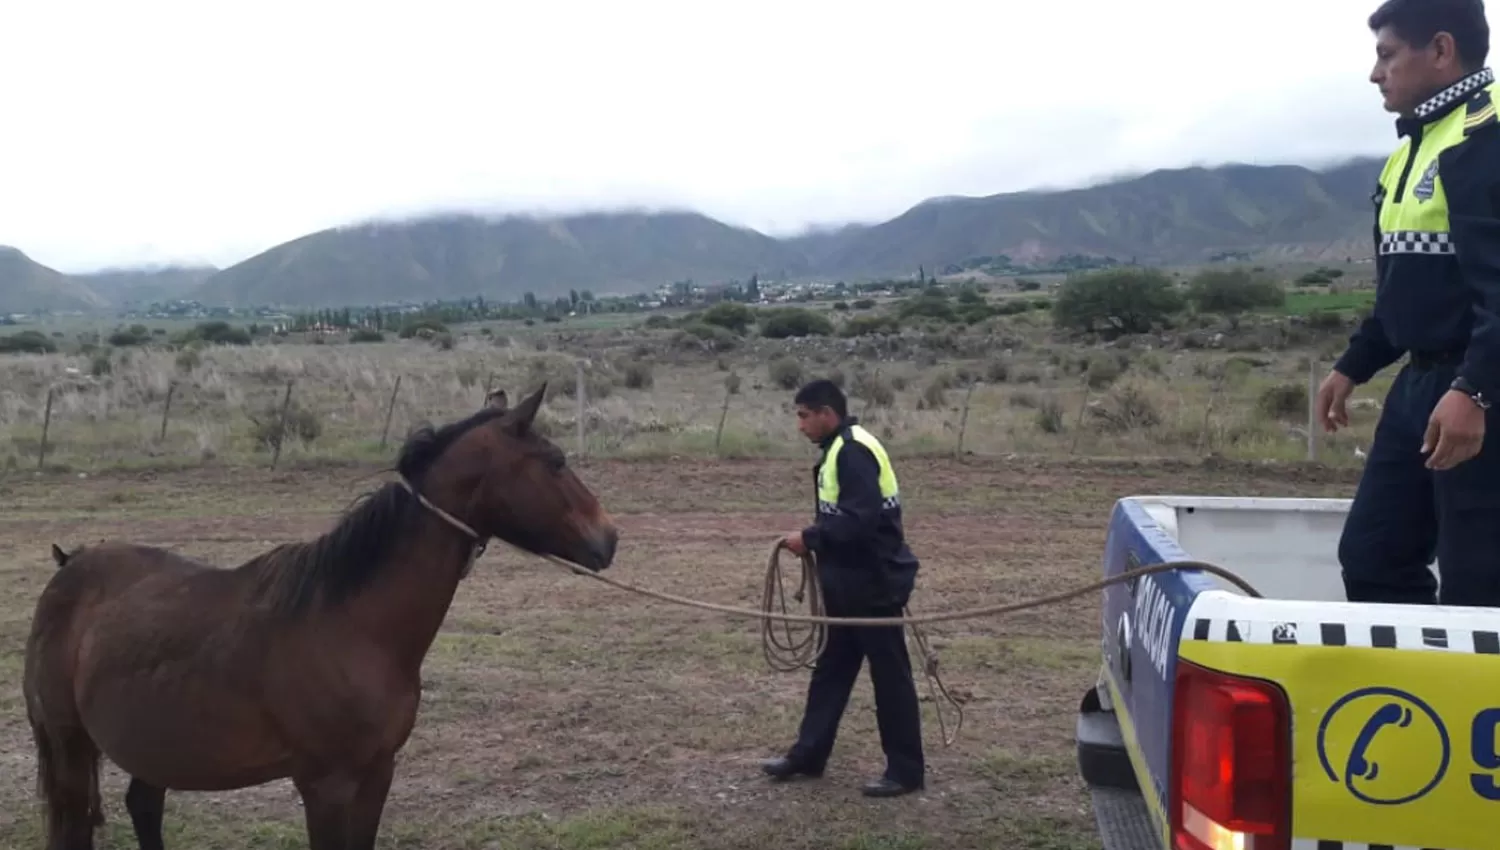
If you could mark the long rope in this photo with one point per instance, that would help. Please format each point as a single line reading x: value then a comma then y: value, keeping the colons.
x: 804, y: 653
x: 797, y: 654
x: 961, y: 614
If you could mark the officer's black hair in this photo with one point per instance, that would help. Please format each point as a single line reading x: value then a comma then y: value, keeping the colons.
x: 1417, y: 21
x: 822, y: 393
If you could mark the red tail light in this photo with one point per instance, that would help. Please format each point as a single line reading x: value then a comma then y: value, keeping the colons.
x: 1231, y: 763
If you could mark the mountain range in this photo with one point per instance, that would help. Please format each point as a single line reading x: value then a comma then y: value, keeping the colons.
x: 1183, y: 215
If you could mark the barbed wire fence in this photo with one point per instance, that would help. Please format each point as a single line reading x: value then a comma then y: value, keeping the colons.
x: 274, y: 434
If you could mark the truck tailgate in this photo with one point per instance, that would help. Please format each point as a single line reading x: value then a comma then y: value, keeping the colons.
x: 1395, y: 714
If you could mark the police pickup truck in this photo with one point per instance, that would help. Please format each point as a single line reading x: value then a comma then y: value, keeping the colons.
x: 1294, y: 721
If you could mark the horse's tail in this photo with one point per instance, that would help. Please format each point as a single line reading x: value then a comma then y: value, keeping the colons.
x: 58, y: 775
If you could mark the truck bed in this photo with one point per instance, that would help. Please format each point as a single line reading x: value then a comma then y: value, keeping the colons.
x: 1285, y: 548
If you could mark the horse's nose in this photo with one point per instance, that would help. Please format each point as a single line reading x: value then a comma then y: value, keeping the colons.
x: 604, y: 545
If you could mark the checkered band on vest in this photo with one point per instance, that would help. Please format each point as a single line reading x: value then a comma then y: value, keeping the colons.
x: 1415, y: 242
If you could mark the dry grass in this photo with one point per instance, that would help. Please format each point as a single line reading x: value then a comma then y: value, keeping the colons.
x: 565, y: 715
x: 660, y: 393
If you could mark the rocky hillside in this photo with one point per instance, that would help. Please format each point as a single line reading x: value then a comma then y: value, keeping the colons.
x: 1179, y: 215
x: 1264, y: 213
x: 460, y: 255
x: 26, y: 285
x: 1183, y: 215
x: 146, y: 285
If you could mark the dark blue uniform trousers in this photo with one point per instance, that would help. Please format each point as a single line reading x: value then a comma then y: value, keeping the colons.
x: 1404, y: 514
x: 896, y: 711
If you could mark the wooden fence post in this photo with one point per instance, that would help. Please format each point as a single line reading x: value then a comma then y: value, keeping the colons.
x: 1312, y: 408
x: 723, y: 416
x: 582, y: 409
x: 166, y: 411
x: 963, y: 419
x: 390, y: 408
x: 286, y: 402
x: 41, y: 455
x: 1083, y: 407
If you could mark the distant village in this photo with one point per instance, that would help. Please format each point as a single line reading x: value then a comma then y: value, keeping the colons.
x: 679, y: 294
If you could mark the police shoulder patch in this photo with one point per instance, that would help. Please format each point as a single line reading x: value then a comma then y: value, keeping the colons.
x: 1480, y: 112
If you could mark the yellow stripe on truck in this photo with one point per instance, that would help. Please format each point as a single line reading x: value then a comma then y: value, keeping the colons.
x: 1154, y: 804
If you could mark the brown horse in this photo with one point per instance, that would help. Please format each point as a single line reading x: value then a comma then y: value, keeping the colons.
x: 303, y: 662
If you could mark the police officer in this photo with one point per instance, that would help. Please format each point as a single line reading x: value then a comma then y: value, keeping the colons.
x: 1431, y: 483
x: 865, y: 570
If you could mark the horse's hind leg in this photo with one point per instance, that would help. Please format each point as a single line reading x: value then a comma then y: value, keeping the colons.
x: 68, y: 781
x: 146, y: 803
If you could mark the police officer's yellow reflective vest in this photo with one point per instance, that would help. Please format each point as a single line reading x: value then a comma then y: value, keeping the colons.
x: 828, y: 471
x: 1413, y: 206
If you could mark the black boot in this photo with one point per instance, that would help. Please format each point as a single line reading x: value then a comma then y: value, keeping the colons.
x: 784, y: 768
x: 884, y: 787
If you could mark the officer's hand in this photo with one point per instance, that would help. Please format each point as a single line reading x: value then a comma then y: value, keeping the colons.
x: 1455, y: 431
x: 1332, y: 401
x: 794, y: 543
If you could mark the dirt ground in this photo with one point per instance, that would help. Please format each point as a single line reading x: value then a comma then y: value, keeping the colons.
x: 561, y: 713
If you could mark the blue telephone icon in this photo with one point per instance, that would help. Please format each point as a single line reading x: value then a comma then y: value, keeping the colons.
x: 1358, y: 765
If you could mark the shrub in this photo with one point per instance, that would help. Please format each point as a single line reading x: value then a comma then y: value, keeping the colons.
x: 638, y: 376
x: 874, y: 389
x: 133, y: 335
x: 213, y: 333
x: 1049, y: 416
x: 702, y: 335
x: 935, y: 394
x: 421, y: 328
x: 729, y: 314
x: 793, y: 322
x: 1116, y: 301
x: 1283, y: 401
x: 301, y: 423
x: 785, y: 372
x: 1127, y: 408
x: 1234, y: 291
x: 188, y: 359
x: 869, y: 325
x: 27, y: 342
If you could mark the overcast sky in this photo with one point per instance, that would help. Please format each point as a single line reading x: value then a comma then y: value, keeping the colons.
x: 152, y: 131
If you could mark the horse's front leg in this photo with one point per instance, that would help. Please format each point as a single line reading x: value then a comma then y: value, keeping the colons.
x: 369, y: 803
x: 343, y: 808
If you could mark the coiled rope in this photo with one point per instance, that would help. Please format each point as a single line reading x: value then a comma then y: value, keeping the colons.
x: 803, y: 653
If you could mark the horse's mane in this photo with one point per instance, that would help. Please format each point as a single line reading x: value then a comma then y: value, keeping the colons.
x: 342, y: 561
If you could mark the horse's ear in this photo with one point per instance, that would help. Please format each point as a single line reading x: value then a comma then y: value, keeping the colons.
x: 521, y: 415
x: 497, y: 400
x: 59, y: 555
